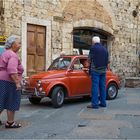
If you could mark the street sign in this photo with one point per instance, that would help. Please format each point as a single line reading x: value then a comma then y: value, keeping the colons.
x: 2, y: 38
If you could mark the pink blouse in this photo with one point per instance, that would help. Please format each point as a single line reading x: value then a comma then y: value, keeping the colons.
x: 10, y: 64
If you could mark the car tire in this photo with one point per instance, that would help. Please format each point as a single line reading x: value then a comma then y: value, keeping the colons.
x: 57, y: 97
x: 112, y: 91
x: 34, y: 100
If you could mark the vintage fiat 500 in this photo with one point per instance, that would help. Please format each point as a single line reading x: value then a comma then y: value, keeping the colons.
x: 66, y: 77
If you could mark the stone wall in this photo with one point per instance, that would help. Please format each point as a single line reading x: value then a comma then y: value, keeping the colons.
x: 1, y: 17
x: 132, y: 82
x: 39, y: 9
x: 112, y: 16
x: 126, y: 43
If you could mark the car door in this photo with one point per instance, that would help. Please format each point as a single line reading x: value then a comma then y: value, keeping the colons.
x: 79, y: 79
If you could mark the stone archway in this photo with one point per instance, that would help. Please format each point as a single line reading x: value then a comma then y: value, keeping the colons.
x: 75, y: 11
x: 85, y: 14
x: 82, y: 39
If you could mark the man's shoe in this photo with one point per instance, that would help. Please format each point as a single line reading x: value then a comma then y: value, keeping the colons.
x: 93, y: 107
x: 102, y: 105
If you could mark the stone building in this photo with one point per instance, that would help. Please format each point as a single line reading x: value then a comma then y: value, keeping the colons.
x: 48, y: 27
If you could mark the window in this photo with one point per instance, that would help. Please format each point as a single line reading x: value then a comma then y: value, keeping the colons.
x: 82, y: 38
x: 80, y: 63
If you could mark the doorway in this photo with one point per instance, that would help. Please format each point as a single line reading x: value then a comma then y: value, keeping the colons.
x: 36, y: 49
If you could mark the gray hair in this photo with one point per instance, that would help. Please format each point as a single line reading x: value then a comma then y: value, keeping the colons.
x: 10, y: 40
x: 96, y: 39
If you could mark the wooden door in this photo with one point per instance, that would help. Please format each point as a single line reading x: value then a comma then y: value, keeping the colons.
x: 36, y: 49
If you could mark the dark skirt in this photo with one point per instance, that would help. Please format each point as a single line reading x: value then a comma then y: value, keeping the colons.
x: 9, y: 96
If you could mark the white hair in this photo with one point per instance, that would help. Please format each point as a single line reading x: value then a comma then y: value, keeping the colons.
x: 10, y: 40
x: 96, y: 39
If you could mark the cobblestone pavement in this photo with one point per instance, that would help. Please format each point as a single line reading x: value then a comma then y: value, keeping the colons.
x: 120, y: 120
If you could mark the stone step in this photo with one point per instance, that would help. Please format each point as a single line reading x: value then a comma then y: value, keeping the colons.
x: 132, y: 82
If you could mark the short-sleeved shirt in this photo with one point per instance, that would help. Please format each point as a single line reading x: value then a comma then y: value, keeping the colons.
x: 10, y: 64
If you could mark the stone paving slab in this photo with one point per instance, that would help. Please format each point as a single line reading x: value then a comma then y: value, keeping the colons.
x: 121, y: 118
x: 94, y: 132
x: 97, y: 116
x: 125, y: 112
x: 101, y: 129
x: 132, y: 100
x: 119, y: 121
x: 130, y: 133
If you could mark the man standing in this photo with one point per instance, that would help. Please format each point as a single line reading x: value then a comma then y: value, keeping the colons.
x: 98, y: 57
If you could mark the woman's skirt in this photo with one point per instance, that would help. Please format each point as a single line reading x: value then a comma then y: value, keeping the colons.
x: 9, y: 96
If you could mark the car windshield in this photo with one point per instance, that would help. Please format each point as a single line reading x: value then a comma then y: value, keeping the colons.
x: 60, y: 63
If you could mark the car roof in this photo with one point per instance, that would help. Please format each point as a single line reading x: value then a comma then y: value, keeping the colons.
x: 76, y: 56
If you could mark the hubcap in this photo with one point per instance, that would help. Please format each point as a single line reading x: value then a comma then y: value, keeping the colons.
x: 60, y: 97
x: 112, y: 91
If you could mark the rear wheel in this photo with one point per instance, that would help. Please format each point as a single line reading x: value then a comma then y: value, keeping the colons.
x: 112, y: 91
x: 34, y: 100
x: 58, y: 96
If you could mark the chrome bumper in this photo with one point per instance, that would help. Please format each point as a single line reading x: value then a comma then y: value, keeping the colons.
x: 33, y: 92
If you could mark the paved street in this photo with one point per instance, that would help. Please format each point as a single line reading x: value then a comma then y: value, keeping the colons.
x: 120, y: 120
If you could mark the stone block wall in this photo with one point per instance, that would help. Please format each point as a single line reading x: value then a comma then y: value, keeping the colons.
x: 113, y: 16
x: 1, y: 17
x: 132, y: 82
x: 126, y: 42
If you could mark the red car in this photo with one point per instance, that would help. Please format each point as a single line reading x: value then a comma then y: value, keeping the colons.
x: 66, y: 77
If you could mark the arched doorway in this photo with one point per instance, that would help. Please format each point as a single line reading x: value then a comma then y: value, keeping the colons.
x: 82, y: 39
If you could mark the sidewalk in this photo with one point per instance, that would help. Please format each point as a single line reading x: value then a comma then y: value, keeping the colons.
x: 120, y: 120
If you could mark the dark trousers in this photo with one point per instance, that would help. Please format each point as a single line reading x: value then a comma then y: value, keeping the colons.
x: 98, y: 88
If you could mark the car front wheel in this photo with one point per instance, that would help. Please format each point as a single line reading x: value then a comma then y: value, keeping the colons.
x: 34, y: 100
x: 57, y: 97
x: 112, y: 91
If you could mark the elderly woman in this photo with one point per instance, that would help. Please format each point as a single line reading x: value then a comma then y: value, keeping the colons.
x: 10, y: 78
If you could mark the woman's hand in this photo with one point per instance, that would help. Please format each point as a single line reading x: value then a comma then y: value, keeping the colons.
x: 18, y: 85
x: 16, y: 79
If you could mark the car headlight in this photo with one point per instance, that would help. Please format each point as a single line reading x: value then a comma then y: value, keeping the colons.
x: 25, y: 81
x: 39, y: 83
x: 40, y: 89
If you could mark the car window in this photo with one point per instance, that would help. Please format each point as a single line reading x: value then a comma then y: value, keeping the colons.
x: 85, y: 63
x: 63, y: 63
x: 80, y: 63
x: 77, y: 65
x: 60, y: 63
